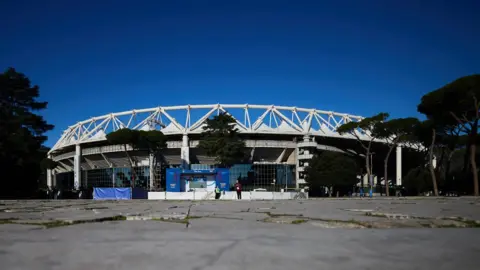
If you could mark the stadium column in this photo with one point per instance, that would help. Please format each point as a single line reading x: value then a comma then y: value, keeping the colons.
x: 303, y: 148
x: 151, y: 160
x: 77, y: 170
x: 49, y: 175
x: 399, y: 165
x: 185, y: 152
x: 297, y: 168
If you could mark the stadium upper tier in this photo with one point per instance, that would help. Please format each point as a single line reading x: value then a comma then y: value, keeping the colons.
x: 190, y: 119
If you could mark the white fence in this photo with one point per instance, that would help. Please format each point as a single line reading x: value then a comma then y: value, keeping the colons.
x: 229, y: 195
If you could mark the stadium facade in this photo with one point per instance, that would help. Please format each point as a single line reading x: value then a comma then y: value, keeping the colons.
x: 281, y: 140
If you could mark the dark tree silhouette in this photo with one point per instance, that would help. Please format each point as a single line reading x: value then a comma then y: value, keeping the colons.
x: 394, y: 132
x: 152, y: 141
x: 459, y: 102
x: 22, y: 134
x: 220, y: 140
x: 331, y: 169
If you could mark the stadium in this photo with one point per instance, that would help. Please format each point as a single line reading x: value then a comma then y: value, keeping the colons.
x: 281, y: 140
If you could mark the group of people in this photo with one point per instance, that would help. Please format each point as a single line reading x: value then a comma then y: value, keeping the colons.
x: 238, y: 189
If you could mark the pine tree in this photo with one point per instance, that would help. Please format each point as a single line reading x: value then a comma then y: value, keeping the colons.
x: 22, y: 134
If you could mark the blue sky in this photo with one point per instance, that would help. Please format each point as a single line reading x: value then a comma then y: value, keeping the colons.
x: 360, y: 57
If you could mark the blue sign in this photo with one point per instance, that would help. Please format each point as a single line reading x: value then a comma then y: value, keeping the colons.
x: 177, y: 179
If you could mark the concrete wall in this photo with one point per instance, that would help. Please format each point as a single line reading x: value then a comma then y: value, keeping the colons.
x: 230, y: 195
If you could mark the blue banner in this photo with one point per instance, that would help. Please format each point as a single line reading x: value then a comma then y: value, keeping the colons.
x: 112, y: 193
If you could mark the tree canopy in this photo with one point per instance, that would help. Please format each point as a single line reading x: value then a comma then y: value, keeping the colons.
x: 220, y: 140
x: 457, y: 101
x: 152, y: 141
x: 331, y: 169
x: 417, y: 181
x: 48, y: 164
x: 367, y: 126
x: 22, y: 133
x: 394, y: 132
x: 456, y: 107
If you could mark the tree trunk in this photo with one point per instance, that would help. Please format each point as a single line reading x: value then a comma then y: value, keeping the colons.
x: 473, y: 163
x: 367, y: 164
x: 385, y: 167
x: 473, y: 152
x: 385, y: 172
x: 430, y: 164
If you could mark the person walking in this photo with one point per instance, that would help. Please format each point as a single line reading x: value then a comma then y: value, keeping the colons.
x: 238, y: 188
x: 217, y: 193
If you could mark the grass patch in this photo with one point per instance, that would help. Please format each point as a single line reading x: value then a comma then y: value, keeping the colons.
x: 96, y: 208
x: 62, y: 223
x: 177, y: 220
x: 447, y: 226
x: 270, y: 214
x: 114, y: 218
x: 471, y: 223
x: 351, y: 221
x: 374, y: 214
x: 55, y: 224
x: 193, y: 217
x: 355, y: 222
x: 299, y: 221
x: 181, y: 221
x: 389, y: 215
x: 221, y: 217
x: 467, y: 222
x: 7, y: 220
x: 363, y: 224
x: 265, y: 220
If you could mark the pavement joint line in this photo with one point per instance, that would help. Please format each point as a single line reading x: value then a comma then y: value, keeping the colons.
x: 404, y: 216
x: 393, y: 220
x: 301, y: 219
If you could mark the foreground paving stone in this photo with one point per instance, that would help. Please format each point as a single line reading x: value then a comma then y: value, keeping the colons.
x: 314, y: 234
x: 337, y: 225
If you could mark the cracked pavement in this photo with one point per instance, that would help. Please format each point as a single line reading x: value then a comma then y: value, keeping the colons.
x: 417, y: 233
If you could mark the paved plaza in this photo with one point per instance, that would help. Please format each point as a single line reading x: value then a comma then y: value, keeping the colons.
x: 414, y: 233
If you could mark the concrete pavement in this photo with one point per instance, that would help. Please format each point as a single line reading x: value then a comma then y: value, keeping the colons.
x: 314, y: 234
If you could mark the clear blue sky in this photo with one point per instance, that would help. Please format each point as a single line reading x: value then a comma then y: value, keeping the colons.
x: 359, y: 57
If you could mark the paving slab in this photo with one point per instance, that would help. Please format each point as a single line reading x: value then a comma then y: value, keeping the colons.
x: 208, y: 244
x: 312, y: 234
